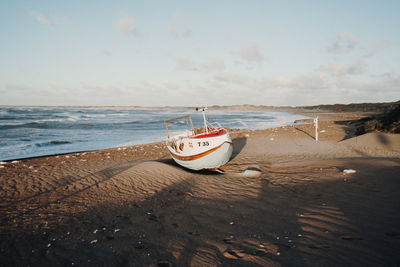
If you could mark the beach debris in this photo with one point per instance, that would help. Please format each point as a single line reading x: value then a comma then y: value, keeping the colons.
x: 67, y: 157
x: 278, y: 253
x: 250, y: 172
x: 299, y: 235
x: 246, y: 135
x: 48, y: 245
x: 231, y: 223
x: 348, y: 171
x: 93, y: 241
x: 14, y: 161
x: 103, y: 228
x: 3, y: 163
x: 117, y: 230
x: 95, y: 231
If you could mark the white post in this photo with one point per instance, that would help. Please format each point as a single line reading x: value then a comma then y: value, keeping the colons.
x: 316, y: 128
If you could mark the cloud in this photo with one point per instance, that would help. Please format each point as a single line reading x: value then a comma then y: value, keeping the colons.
x: 105, y: 52
x: 178, y: 16
x: 338, y: 70
x: 343, y: 43
x: 171, y: 85
x: 251, y: 53
x: 298, y: 83
x: 184, y: 64
x: 375, y: 48
x: 179, y: 34
x: 233, y: 78
x: 214, y: 64
x: 41, y: 19
x: 385, y: 83
x: 19, y: 87
x: 103, y: 89
x: 126, y: 25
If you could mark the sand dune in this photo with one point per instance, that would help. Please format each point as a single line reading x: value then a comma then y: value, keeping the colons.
x: 135, y: 206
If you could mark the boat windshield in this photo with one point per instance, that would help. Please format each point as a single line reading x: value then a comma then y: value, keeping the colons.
x: 181, y: 126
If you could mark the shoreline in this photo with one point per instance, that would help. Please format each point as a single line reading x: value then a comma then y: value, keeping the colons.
x: 134, y: 206
x: 48, y: 138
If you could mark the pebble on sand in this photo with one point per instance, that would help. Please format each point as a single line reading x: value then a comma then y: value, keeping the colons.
x: 348, y: 171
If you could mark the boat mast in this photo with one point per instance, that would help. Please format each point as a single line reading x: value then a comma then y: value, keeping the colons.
x: 204, y: 118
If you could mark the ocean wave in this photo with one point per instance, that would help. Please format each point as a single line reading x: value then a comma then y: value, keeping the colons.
x: 53, y: 143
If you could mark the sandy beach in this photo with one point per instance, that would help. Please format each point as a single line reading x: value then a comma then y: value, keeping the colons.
x: 133, y: 206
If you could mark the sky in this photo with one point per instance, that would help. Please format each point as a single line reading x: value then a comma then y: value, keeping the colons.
x: 190, y: 53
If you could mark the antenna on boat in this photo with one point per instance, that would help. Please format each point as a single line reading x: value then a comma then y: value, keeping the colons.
x: 204, y: 117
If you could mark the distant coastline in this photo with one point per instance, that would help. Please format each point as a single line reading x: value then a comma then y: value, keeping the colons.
x: 354, y: 107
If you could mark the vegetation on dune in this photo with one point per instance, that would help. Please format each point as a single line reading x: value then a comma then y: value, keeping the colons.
x: 388, y: 121
x: 360, y: 107
x: 354, y: 107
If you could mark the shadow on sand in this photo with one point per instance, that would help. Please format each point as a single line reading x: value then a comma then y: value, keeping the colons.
x: 283, y: 220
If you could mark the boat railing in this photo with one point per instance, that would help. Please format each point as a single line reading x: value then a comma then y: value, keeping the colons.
x: 214, y: 125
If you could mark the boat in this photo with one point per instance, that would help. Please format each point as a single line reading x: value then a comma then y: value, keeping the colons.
x: 208, y: 147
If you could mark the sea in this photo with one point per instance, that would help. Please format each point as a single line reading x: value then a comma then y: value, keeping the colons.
x: 38, y: 131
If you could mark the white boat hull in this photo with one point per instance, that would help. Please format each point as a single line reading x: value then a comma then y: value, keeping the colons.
x: 216, y: 158
x: 197, y: 149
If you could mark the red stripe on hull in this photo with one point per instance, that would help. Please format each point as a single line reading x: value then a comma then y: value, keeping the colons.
x: 187, y: 158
